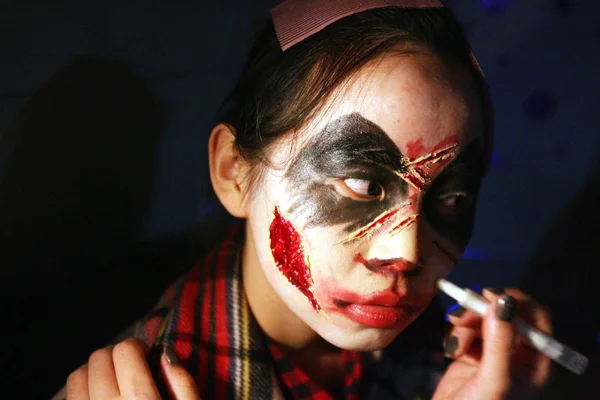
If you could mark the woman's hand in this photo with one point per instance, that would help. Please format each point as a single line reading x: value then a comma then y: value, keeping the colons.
x: 490, y: 361
x: 122, y: 372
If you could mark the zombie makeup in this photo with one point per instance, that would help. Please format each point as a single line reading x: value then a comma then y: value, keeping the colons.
x: 381, y: 309
x: 449, y: 203
x: 288, y: 253
x: 353, y: 147
x: 349, y: 147
x: 374, y: 204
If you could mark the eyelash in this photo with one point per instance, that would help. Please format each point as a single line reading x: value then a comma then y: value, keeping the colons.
x: 346, y: 189
x: 457, y: 195
x: 374, y: 190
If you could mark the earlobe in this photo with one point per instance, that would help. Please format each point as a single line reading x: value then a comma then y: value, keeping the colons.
x: 227, y: 170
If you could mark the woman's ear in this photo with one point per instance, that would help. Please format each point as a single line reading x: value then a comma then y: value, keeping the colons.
x: 227, y: 170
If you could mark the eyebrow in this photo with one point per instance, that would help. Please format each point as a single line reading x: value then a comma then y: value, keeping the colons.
x: 354, y: 140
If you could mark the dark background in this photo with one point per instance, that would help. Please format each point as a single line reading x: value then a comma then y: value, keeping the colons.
x: 105, y: 109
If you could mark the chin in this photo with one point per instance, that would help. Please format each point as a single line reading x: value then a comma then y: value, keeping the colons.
x: 359, y: 338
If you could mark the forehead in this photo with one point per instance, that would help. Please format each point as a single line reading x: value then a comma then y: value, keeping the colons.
x: 418, y: 100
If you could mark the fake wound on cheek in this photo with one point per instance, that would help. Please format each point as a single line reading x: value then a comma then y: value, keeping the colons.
x: 383, y: 220
x: 290, y: 258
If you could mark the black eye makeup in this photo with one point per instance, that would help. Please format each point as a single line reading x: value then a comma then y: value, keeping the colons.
x: 449, y: 204
x: 351, y: 173
x: 347, y: 174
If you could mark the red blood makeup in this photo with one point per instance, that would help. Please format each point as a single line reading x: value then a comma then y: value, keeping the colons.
x: 373, y: 226
x: 287, y: 250
x: 421, y: 169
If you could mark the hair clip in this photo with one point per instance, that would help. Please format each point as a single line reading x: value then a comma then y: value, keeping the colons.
x: 295, y: 20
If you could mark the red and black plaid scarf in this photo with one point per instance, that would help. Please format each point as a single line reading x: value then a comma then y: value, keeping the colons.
x: 205, y: 319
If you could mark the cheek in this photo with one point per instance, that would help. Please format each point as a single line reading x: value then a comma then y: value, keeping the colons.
x: 289, y: 255
x: 445, y: 252
x: 441, y: 260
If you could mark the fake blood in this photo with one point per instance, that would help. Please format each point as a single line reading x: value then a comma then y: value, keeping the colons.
x: 415, y: 148
x: 286, y: 246
x: 405, y: 223
x: 373, y: 225
x: 421, y: 169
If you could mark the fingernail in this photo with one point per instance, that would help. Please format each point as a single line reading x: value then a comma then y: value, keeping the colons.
x: 171, y: 357
x: 495, y: 290
x: 451, y: 345
x: 458, y: 311
x: 506, y: 308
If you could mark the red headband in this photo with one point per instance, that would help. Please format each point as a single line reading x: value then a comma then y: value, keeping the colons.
x: 295, y: 20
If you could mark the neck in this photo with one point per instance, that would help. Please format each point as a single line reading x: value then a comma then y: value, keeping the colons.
x: 320, y: 360
x: 274, y: 317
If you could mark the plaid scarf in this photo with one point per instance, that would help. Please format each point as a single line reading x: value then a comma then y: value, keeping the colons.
x: 204, y: 317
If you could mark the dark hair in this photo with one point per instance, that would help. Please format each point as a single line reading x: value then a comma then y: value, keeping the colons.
x: 278, y: 91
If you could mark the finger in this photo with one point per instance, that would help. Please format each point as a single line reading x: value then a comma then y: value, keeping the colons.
x: 532, y: 312
x: 131, y: 367
x: 460, y: 316
x: 459, y: 341
x: 530, y: 364
x: 498, y: 334
x: 102, y: 382
x: 77, y: 384
x: 179, y: 382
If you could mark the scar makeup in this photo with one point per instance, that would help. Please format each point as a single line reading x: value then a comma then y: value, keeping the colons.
x: 405, y: 223
x: 420, y: 170
x: 350, y: 146
x: 373, y: 226
x: 354, y: 147
x: 288, y: 253
x: 462, y: 176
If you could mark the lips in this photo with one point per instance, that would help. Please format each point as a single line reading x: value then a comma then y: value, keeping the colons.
x: 382, y: 310
x: 380, y: 317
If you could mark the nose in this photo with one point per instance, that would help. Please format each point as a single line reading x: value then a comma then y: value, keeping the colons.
x: 393, y: 266
x: 396, y: 252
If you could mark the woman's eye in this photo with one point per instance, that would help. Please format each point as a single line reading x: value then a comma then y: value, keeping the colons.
x: 455, y: 200
x: 364, y: 188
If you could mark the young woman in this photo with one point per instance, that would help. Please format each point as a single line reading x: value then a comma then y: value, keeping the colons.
x: 352, y: 147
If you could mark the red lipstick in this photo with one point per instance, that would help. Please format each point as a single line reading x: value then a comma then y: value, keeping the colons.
x: 382, y: 310
x: 380, y: 317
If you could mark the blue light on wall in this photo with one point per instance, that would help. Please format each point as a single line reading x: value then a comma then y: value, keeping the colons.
x: 477, y: 253
x: 496, y: 159
x: 493, y: 6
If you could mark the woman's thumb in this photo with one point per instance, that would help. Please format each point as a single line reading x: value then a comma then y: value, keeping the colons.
x: 178, y: 381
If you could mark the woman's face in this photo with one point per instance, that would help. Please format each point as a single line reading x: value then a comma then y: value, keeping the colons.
x: 373, y: 201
